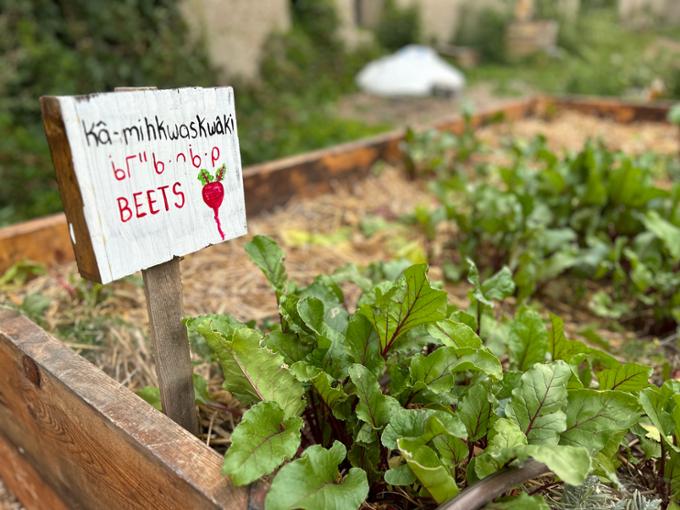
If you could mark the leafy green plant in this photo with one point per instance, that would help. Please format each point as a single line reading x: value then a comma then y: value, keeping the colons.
x: 483, y: 28
x: 401, y: 402
x: 595, y: 214
x: 398, y: 26
x: 19, y: 273
x: 435, y: 152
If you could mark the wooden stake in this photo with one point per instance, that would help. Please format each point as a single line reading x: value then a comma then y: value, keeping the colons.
x: 163, y: 290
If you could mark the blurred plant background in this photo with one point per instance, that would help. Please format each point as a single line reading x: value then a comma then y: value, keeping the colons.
x: 74, y: 47
x: 80, y: 46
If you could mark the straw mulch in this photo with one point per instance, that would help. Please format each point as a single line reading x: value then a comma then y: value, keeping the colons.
x: 7, y: 500
x: 569, y: 130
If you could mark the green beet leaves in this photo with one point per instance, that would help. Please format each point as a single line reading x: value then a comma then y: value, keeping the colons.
x: 538, y: 403
x: 267, y: 255
x: 407, y: 303
x: 314, y: 481
x: 404, y: 395
x: 261, y: 442
x: 254, y: 373
x: 528, y: 339
x: 593, y: 416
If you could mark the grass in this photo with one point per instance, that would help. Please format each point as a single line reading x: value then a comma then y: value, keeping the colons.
x: 597, y: 56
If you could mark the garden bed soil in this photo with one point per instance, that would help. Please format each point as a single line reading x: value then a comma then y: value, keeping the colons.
x: 319, y: 234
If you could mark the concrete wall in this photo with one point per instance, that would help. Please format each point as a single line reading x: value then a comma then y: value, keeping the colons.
x: 350, y: 33
x: 439, y: 18
x: 649, y: 12
x: 369, y: 16
x: 235, y: 30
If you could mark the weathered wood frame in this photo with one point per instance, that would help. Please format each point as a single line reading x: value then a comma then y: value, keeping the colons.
x: 71, y: 437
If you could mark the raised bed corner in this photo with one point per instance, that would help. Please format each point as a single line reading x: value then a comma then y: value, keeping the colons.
x: 72, y: 437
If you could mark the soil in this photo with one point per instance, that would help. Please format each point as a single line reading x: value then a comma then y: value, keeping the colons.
x: 108, y: 325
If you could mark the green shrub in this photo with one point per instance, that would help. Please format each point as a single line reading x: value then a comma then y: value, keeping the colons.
x: 484, y: 30
x: 398, y: 27
x: 319, y: 20
x: 77, y: 47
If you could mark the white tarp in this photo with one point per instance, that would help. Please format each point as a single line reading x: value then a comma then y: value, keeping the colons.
x: 412, y: 71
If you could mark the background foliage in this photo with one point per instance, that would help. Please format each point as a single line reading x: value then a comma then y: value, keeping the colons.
x: 74, y: 47
x: 399, y: 26
x: 79, y: 46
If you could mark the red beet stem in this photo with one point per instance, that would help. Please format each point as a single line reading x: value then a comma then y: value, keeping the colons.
x: 217, y: 220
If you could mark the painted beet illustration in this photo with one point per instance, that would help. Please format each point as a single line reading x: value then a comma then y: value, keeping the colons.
x: 213, y: 192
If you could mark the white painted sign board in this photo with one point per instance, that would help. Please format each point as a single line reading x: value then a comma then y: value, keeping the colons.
x: 158, y: 174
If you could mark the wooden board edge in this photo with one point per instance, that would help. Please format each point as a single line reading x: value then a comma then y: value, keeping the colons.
x: 44, y: 240
x: 22, y: 480
x: 51, y: 396
x: 620, y: 111
x: 69, y: 189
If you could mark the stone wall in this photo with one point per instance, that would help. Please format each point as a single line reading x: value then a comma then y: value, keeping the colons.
x: 642, y: 13
x: 234, y: 30
x: 439, y: 18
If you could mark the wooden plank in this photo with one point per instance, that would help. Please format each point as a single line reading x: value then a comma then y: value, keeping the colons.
x: 620, y: 111
x: 43, y: 240
x: 163, y: 290
x: 94, y: 442
x: 71, y: 198
x: 272, y: 184
x: 22, y: 480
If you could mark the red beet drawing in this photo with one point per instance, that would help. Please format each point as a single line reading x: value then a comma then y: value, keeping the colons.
x: 213, y: 192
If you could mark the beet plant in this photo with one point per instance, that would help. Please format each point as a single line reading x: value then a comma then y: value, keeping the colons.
x: 595, y: 214
x: 397, y: 400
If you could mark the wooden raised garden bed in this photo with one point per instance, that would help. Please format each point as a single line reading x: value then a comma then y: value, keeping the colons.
x: 72, y: 437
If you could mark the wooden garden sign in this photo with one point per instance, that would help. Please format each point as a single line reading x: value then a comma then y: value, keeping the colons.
x: 147, y: 176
